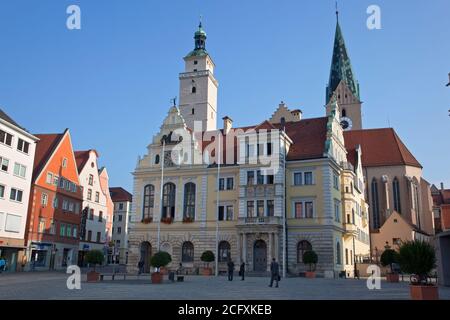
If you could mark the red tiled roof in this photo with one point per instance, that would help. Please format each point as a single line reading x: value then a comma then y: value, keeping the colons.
x: 44, y: 149
x: 119, y: 194
x: 308, y: 137
x: 82, y: 157
x: 380, y: 147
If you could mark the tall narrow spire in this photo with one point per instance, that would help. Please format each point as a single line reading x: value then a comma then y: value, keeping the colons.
x: 341, y: 68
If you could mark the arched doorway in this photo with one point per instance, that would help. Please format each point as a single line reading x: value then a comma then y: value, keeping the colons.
x: 260, y: 256
x: 146, y: 254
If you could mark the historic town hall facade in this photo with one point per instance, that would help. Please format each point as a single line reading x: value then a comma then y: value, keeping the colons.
x: 234, y: 205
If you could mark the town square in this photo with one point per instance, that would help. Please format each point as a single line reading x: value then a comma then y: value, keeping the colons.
x: 200, y: 151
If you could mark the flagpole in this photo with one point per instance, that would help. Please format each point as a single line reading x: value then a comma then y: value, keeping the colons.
x: 284, y: 203
x: 161, y: 194
x: 217, y: 207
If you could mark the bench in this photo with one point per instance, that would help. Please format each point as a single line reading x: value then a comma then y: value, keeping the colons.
x: 113, y: 276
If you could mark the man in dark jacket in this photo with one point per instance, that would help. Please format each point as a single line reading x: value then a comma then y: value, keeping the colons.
x: 242, y: 271
x: 230, y: 270
x: 274, y: 273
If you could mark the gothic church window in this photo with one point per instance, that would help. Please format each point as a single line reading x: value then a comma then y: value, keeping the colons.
x: 396, y: 191
x: 375, y: 204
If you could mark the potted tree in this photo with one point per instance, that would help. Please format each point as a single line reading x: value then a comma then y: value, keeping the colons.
x: 207, y: 257
x: 418, y: 258
x: 310, y: 258
x: 388, y: 258
x: 160, y: 259
x: 94, y: 257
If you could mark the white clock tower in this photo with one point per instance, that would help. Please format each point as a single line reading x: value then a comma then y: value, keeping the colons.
x: 198, y: 87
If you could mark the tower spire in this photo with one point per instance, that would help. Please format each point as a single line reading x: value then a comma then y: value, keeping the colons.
x: 337, y: 12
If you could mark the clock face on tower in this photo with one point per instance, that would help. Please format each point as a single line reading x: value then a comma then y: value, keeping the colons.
x: 346, y: 123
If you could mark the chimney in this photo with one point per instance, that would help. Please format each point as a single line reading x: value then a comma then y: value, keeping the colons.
x: 297, y: 114
x: 227, y: 124
x: 442, y: 186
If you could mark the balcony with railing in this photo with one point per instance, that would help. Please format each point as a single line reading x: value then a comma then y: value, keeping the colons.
x: 260, y: 221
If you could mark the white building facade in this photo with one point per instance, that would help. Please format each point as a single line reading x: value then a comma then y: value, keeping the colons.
x: 17, y: 151
x: 122, y: 200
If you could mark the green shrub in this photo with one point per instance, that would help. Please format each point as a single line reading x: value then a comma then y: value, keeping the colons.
x: 417, y: 258
x: 160, y: 259
x: 388, y: 257
x: 207, y: 256
x: 310, y: 258
x: 94, y: 257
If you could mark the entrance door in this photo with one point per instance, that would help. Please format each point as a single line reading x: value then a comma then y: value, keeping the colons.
x: 260, y: 256
x: 146, y: 254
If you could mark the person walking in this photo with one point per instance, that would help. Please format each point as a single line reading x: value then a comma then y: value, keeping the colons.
x: 2, y: 264
x: 242, y: 271
x: 141, y: 266
x: 274, y: 273
x: 230, y: 270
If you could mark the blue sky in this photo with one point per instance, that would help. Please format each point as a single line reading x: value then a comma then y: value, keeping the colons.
x: 111, y: 82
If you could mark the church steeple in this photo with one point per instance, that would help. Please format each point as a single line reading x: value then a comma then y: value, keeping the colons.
x: 341, y: 68
x: 342, y: 84
x: 200, y: 42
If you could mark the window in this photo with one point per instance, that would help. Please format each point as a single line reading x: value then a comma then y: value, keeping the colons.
x: 260, y: 149
x: 89, y: 237
x: 338, y: 253
x: 99, y: 236
x: 69, y: 231
x: 225, y: 213
x: 16, y: 195
x: 302, y: 247
x: 2, y: 191
x: 168, y: 208
x: 74, y: 231
x: 346, y: 256
x: 120, y: 206
x: 230, y: 183
x: 396, y: 191
x: 23, y: 146
x: 97, y: 197
x: 149, y: 201
x: 52, y: 227
x: 91, y: 214
x: 270, y: 179
x: 41, y: 227
x: 304, y: 209
x: 344, y: 113
x: 4, y: 163
x: 308, y: 176
x: 224, y: 251
x: 120, y: 217
x: 71, y: 206
x: 49, y: 179
x: 91, y: 180
x: 55, y: 180
x: 229, y: 215
x: 195, y: 62
x: 189, y: 200
x: 269, y: 148
x: 13, y: 223
x: 270, y: 208
x: 89, y: 194
x: 157, y: 159
x: 375, y: 204
x: 221, y: 184
x: 5, y: 138
x: 260, y: 208
x: 65, y: 205
x: 194, y: 90
x: 298, y: 178
x: 61, y: 182
x: 100, y: 216
x: 64, y: 163
x: 250, y: 177
x: 250, y: 209
x: 193, y: 111
x: 336, y: 181
x: 44, y: 199
x: 62, y: 230
x: 337, y: 211
x: 187, y: 252
x: 259, y: 177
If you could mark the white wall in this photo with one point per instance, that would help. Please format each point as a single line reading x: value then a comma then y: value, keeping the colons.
x: 13, y: 215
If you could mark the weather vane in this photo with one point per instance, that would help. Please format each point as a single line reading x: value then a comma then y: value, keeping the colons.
x: 174, y: 101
